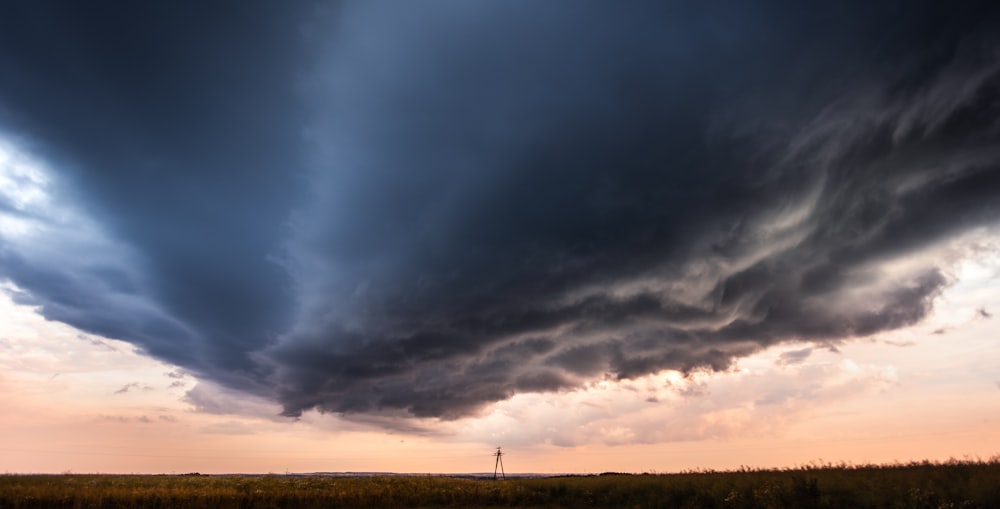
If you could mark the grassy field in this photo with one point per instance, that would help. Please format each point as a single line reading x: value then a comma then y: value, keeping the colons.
x: 923, y: 485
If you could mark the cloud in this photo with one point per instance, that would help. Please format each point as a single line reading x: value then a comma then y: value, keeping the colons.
x: 211, y: 398
x: 133, y: 385
x: 127, y: 387
x: 391, y: 212
x: 624, y: 214
x: 124, y: 419
x: 97, y: 342
x: 794, y: 356
x: 187, y: 179
x: 661, y: 408
x: 228, y: 428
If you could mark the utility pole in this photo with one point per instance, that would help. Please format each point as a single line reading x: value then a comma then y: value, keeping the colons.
x: 499, y: 465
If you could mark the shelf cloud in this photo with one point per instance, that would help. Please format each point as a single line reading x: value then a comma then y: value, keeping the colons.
x: 378, y: 209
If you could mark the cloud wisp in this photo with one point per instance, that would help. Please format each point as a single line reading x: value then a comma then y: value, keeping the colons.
x: 391, y: 211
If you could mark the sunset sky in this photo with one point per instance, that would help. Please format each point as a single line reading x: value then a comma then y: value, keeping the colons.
x: 391, y: 236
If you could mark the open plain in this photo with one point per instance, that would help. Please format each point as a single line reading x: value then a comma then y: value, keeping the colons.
x: 916, y: 485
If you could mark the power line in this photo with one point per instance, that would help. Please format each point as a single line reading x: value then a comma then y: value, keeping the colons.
x: 499, y: 464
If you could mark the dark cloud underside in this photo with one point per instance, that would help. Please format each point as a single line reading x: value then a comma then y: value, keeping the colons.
x: 418, y: 210
x: 177, y: 125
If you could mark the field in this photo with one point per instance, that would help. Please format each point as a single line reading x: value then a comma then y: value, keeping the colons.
x: 918, y: 485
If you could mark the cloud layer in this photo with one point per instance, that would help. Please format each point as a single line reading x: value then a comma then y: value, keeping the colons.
x: 398, y: 211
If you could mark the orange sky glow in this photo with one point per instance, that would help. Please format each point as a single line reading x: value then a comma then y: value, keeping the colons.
x: 79, y: 403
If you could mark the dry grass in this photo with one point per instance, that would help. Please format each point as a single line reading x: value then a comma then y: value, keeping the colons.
x: 920, y: 485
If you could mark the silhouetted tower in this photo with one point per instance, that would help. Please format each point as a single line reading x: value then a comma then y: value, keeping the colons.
x: 499, y: 465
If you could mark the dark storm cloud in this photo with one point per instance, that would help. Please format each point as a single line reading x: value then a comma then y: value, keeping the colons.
x: 174, y: 125
x: 655, y: 187
x: 401, y: 209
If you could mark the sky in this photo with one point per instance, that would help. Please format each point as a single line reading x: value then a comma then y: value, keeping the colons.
x: 392, y: 236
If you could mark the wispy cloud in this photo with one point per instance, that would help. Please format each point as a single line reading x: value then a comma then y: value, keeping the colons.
x: 125, y: 419
x: 228, y: 428
x: 794, y: 356
x: 133, y: 385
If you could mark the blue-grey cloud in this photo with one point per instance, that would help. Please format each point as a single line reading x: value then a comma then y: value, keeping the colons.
x: 794, y: 356
x: 391, y: 210
x: 174, y: 127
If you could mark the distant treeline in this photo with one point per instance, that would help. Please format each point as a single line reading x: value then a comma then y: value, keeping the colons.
x: 955, y: 484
